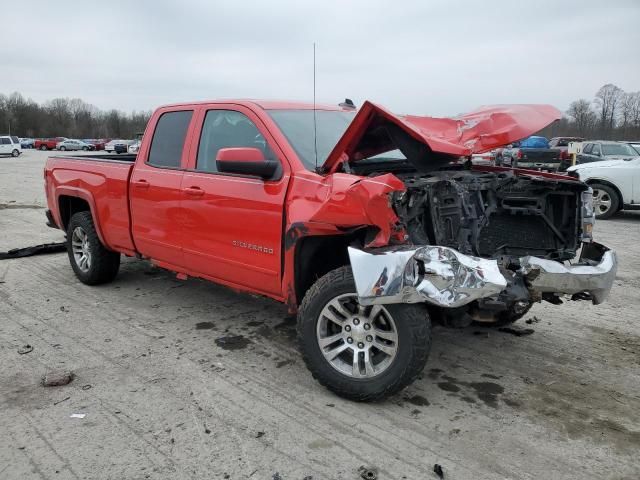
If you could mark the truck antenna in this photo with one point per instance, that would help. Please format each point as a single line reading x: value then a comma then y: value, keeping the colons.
x: 315, y: 127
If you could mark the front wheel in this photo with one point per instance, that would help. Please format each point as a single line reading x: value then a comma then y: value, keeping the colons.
x: 43, y: 147
x: 363, y: 353
x: 85, y: 148
x: 63, y: 148
x: 605, y: 201
x: 92, y: 263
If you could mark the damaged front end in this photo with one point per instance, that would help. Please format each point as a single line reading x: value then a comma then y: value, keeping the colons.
x: 444, y: 277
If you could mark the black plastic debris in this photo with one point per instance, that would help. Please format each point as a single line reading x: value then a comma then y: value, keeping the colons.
x: 516, y: 332
x: 437, y: 469
x: 368, y: 473
x: 25, y: 349
x: 531, y: 320
x: 35, y: 250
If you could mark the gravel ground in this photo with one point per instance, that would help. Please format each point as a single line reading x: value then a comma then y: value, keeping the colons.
x: 161, y: 399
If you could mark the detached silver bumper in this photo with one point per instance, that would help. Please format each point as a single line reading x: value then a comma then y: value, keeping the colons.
x: 447, y: 278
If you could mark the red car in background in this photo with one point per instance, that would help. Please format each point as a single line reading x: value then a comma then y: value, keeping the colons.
x: 48, y: 143
x: 98, y: 143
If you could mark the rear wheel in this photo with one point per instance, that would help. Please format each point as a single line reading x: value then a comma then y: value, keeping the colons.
x: 43, y: 147
x: 63, y: 148
x: 605, y: 201
x: 85, y: 148
x: 15, y: 152
x: 362, y: 353
x: 92, y: 263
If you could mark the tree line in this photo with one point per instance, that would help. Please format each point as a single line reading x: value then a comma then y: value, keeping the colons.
x: 66, y: 117
x: 612, y: 114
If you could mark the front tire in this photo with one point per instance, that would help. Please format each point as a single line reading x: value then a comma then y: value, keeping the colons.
x: 43, y: 147
x: 63, y: 148
x: 92, y: 263
x: 605, y: 201
x: 362, y: 353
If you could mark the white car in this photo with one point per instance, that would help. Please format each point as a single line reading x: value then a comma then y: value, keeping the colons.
x: 134, y: 147
x: 10, y: 145
x: 615, y: 184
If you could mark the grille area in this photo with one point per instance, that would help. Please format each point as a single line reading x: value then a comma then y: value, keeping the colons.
x: 519, y: 235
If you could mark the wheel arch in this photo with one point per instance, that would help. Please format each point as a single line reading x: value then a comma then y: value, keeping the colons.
x: 71, y: 201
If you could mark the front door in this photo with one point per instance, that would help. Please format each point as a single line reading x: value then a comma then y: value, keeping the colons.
x: 233, y: 224
x: 155, y: 190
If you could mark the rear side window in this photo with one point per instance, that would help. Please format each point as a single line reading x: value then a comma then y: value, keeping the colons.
x: 5, y: 141
x: 168, y: 139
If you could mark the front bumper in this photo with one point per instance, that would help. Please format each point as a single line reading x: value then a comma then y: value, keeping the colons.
x: 444, y: 277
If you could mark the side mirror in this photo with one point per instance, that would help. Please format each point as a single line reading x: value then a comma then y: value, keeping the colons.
x: 246, y: 161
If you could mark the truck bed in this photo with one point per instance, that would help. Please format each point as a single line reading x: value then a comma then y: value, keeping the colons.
x: 102, y: 182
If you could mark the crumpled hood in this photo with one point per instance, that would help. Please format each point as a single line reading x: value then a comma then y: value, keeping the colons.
x: 428, y: 141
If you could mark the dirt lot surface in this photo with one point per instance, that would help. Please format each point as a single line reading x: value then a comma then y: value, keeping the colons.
x: 161, y: 399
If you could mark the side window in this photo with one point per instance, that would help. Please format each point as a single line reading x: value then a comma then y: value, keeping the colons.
x: 225, y: 129
x: 168, y: 139
x: 6, y: 141
x: 596, y: 149
x: 587, y: 148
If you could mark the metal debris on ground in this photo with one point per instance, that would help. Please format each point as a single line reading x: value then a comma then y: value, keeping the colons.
x: 25, y: 349
x: 57, y: 379
x: 516, y: 332
x: 368, y: 473
x: 77, y: 415
x: 60, y: 401
x: 87, y: 387
x: 35, y: 250
x: 437, y: 469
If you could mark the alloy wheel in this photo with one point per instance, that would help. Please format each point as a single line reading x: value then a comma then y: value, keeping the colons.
x: 81, y: 249
x: 601, y: 201
x: 358, y: 341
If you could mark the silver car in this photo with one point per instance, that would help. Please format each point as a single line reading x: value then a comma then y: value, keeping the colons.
x: 72, y: 145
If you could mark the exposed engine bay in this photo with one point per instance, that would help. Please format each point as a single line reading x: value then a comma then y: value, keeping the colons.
x: 492, y: 215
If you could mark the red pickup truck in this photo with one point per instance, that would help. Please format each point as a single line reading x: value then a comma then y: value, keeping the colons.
x: 48, y: 143
x: 364, y: 223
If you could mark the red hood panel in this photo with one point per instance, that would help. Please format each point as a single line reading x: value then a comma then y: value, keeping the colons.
x: 476, y: 132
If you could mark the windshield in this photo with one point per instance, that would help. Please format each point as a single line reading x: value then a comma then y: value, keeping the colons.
x: 297, y: 126
x: 618, y: 149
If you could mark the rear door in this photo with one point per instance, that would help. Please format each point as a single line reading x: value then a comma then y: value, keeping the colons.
x: 233, y: 223
x: 155, y: 189
x: 5, y: 145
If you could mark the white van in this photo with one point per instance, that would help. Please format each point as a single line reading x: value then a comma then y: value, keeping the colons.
x: 10, y: 145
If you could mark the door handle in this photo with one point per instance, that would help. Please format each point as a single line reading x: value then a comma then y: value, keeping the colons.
x: 194, y: 191
x: 141, y: 184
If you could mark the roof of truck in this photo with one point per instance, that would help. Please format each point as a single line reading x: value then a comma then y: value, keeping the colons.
x: 265, y: 104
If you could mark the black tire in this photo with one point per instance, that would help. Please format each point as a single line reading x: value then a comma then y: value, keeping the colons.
x: 63, y: 148
x: 104, y: 264
x: 413, y: 327
x: 610, y: 193
x: 43, y: 147
x: 85, y: 148
x: 15, y: 153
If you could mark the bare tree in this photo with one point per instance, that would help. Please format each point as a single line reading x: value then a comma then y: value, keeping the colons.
x: 583, y: 116
x: 608, y: 100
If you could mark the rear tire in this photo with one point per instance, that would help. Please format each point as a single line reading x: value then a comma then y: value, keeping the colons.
x: 15, y: 152
x: 43, y: 147
x: 63, y: 148
x: 92, y: 263
x: 605, y: 201
x: 402, y: 330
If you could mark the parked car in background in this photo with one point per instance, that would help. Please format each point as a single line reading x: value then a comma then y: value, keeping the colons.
x: 134, y: 147
x: 10, y: 145
x: 48, y: 143
x: 73, y: 145
x: 532, y: 153
x: 27, y: 143
x: 606, y: 150
x: 615, y: 184
x: 110, y: 146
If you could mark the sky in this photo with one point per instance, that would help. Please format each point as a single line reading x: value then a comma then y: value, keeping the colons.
x: 424, y: 57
